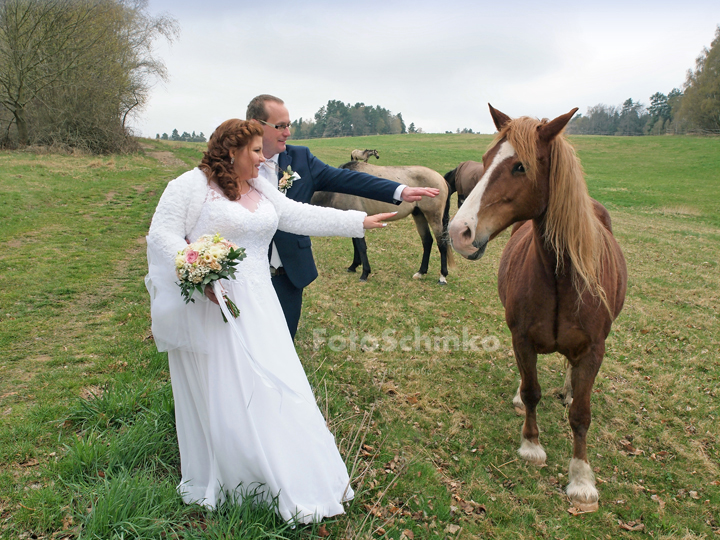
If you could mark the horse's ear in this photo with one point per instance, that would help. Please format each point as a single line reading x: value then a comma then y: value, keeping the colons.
x: 499, y: 118
x: 547, y: 132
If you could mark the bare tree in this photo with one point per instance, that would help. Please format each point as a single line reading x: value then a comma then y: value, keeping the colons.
x: 83, y: 65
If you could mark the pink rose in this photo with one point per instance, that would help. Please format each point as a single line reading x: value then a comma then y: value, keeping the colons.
x: 191, y: 256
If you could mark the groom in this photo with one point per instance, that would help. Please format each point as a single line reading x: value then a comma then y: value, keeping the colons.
x: 291, y: 261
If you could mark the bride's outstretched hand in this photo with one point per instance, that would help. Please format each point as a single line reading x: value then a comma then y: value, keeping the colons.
x: 376, y: 221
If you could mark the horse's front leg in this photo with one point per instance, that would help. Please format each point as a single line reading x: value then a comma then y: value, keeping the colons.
x: 581, y: 489
x: 530, y: 448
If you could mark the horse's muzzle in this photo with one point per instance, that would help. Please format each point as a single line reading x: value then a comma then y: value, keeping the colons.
x: 480, y: 245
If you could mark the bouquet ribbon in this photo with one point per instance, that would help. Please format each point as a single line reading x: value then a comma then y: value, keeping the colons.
x: 268, y: 378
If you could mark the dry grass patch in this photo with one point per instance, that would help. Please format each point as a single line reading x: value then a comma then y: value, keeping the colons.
x: 678, y: 211
x: 167, y: 159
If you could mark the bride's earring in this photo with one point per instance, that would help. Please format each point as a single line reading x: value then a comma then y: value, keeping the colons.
x: 232, y: 161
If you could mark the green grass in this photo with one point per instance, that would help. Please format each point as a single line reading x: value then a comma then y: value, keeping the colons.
x: 87, y: 443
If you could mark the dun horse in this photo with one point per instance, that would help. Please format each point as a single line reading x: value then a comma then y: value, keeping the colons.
x: 427, y: 213
x: 562, y: 275
x: 363, y: 155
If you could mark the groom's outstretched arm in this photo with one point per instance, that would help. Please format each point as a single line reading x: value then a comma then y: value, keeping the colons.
x: 358, y: 183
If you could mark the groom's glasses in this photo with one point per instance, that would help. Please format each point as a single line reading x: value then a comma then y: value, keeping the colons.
x: 279, y: 127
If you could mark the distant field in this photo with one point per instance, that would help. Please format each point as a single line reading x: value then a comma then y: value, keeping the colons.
x: 416, y: 380
x: 668, y: 174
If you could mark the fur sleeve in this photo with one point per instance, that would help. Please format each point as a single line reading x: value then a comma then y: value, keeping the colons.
x: 177, y: 212
x: 306, y: 219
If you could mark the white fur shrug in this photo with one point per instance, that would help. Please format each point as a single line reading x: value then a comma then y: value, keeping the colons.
x: 179, y: 209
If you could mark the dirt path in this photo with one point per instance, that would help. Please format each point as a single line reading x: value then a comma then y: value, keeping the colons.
x: 165, y: 157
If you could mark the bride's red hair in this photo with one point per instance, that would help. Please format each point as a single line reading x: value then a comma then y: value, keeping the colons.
x: 231, y: 134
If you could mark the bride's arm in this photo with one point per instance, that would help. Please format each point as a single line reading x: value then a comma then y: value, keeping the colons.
x: 167, y: 229
x: 306, y: 219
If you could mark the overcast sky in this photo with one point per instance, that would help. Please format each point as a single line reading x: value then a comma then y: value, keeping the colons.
x: 438, y: 62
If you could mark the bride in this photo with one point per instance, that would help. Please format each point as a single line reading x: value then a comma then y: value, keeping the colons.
x: 245, y: 413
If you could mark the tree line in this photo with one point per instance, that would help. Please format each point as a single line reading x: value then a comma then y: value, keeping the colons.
x: 186, y: 137
x: 336, y: 119
x: 694, y: 109
x: 72, y: 72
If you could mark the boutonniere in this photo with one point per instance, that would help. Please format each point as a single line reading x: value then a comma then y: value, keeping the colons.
x: 287, y: 179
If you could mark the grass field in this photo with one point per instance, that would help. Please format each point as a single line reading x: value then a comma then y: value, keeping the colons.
x: 416, y: 380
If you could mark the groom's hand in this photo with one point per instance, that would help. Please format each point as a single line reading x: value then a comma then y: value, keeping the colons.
x: 414, y: 194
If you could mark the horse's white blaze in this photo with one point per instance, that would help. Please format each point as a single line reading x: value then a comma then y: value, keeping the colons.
x: 467, y: 215
x: 534, y: 453
x: 582, y: 482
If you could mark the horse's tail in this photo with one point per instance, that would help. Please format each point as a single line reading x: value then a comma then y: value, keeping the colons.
x: 450, y: 179
x: 450, y: 257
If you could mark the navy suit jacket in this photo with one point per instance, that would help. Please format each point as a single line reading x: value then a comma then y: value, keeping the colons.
x: 296, y: 251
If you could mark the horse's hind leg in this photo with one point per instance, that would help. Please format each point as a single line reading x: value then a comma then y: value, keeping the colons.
x: 530, y: 448
x: 360, y: 256
x: 423, y: 230
x: 567, y: 392
x: 439, y: 228
x: 581, y: 488
x: 518, y: 403
x: 356, y: 257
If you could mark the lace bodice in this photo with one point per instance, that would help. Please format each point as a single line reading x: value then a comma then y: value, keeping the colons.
x: 252, y: 230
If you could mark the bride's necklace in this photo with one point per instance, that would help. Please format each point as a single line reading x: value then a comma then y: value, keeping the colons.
x: 250, y: 188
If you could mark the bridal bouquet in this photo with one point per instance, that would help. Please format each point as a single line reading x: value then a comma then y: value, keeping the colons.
x: 206, y: 260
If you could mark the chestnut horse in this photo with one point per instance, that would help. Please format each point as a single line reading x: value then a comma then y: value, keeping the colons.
x: 562, y: 275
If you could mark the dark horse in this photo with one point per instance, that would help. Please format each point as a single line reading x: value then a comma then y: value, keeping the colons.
x: 562, y: 276
x: 461, y: 180
x: 427, y: 213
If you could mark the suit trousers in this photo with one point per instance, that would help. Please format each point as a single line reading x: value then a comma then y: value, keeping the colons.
x: 290, y: 299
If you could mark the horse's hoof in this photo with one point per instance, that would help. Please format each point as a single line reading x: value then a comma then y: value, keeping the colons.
x: 418, y: 275
x: 585, y: 508
x: 363, y: 279
x: 442, y: 281
x: 532, y: 453
x: 581, y: 489
x: 351, y: 269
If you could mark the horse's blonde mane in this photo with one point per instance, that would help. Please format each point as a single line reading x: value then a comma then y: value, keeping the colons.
x: 572, y: 228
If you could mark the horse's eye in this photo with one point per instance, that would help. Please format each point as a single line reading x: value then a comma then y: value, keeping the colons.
x: 518, y: 168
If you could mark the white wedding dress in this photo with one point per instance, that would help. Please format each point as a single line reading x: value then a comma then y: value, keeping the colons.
x: 246, y: 416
